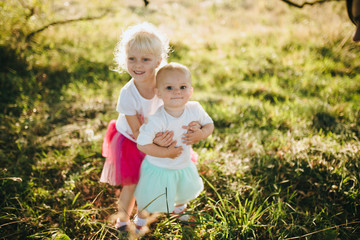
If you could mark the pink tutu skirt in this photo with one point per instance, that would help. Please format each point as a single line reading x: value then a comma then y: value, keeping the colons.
x: 194, y: 156
x: 123, y: 159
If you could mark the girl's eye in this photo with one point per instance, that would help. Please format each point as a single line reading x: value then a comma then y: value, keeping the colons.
x: 131, y: 59
x: 146, y: 59
x: 168, y: 88
x: 183, y: 87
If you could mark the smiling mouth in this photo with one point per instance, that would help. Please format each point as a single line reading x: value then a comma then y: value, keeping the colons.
x: 138, y: 72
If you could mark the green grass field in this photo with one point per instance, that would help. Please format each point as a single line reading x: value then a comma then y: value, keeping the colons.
x: 282, y: 85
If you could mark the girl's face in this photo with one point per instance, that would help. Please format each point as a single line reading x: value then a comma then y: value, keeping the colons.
x: 174, y: 89
x: 141, y: 66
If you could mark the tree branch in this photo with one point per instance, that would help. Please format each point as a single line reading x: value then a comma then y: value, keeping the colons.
x: 30, y: 35
x: 308, y: 3
x: 31, y: 9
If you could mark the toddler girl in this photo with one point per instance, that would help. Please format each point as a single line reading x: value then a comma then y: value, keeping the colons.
x: 167, y: 184
x: 140, y: 52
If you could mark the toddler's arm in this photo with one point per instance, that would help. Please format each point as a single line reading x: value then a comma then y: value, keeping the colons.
x: 163, y: 152
x: 196, y: 134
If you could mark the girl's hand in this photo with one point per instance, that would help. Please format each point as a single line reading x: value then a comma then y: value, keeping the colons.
x: 193, y: 126
x: 192, y: 137
x: 194, y: 133
x: 164, y: 139
x: 172, y: 151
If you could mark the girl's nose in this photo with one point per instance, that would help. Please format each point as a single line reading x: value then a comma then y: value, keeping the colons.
x: 137, y: 64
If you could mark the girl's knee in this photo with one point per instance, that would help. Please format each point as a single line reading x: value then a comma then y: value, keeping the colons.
x: 130, y: 188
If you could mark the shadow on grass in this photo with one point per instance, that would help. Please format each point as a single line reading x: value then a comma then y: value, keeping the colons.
x: 335, y: 123
x: 23, y: 89
x: 36, y: 194
x: 282, y: 198
x: 309, y: 198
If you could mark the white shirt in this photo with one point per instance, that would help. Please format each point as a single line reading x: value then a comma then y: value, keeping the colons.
x: 130, y: 102
x: 162, y: 121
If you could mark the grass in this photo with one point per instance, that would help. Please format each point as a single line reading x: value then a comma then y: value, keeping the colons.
x: 282, y: 85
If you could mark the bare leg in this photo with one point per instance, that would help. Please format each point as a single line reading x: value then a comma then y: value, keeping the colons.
x: 143, y: 214
x: 126, y: 202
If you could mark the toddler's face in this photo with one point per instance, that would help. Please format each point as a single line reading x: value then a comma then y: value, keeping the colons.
x: 174, y: 89
x: 140, y: 65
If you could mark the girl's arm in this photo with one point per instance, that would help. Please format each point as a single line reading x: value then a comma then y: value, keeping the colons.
x: 134, y: 123
x: 162, y: 139
x: 162, y: 152
x: 192, y: 128
x: 196, y: 134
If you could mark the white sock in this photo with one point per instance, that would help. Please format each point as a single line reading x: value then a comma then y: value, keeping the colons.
x: 184, y: 217
x: 139, y: 221
x: 120, y: 224
x: 179, y: 209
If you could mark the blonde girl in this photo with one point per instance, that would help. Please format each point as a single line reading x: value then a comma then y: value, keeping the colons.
x: 140, y: 52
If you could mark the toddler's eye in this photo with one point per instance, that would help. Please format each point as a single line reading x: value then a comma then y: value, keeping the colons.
x: 146, y: 59
x: 131, y: 59
x: 183, y: 87
x: 168, y: 88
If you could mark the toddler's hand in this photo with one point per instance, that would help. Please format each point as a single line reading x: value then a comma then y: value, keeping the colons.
x: 164, y: 139
x: 173, y: 151
x: 193, y: 134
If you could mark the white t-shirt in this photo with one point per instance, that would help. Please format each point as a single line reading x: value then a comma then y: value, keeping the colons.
x: 162, y: 121
x: 130, y: 102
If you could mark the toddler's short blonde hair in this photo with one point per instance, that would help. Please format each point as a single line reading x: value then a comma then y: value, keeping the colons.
x: 144, y: 37
x: 171, y: 67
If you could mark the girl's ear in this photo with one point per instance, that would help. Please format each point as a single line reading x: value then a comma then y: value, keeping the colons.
x: 158, y: 62
x: 157, y: 92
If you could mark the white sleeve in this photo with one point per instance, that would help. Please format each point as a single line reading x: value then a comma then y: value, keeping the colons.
x: 126, y: 104
x: 204, y: 118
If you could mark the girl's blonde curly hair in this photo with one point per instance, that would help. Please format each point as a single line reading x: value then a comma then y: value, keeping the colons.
x: 144, y: 37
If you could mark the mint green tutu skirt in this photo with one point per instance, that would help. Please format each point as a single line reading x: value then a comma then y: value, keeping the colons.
x: 160, y: 189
